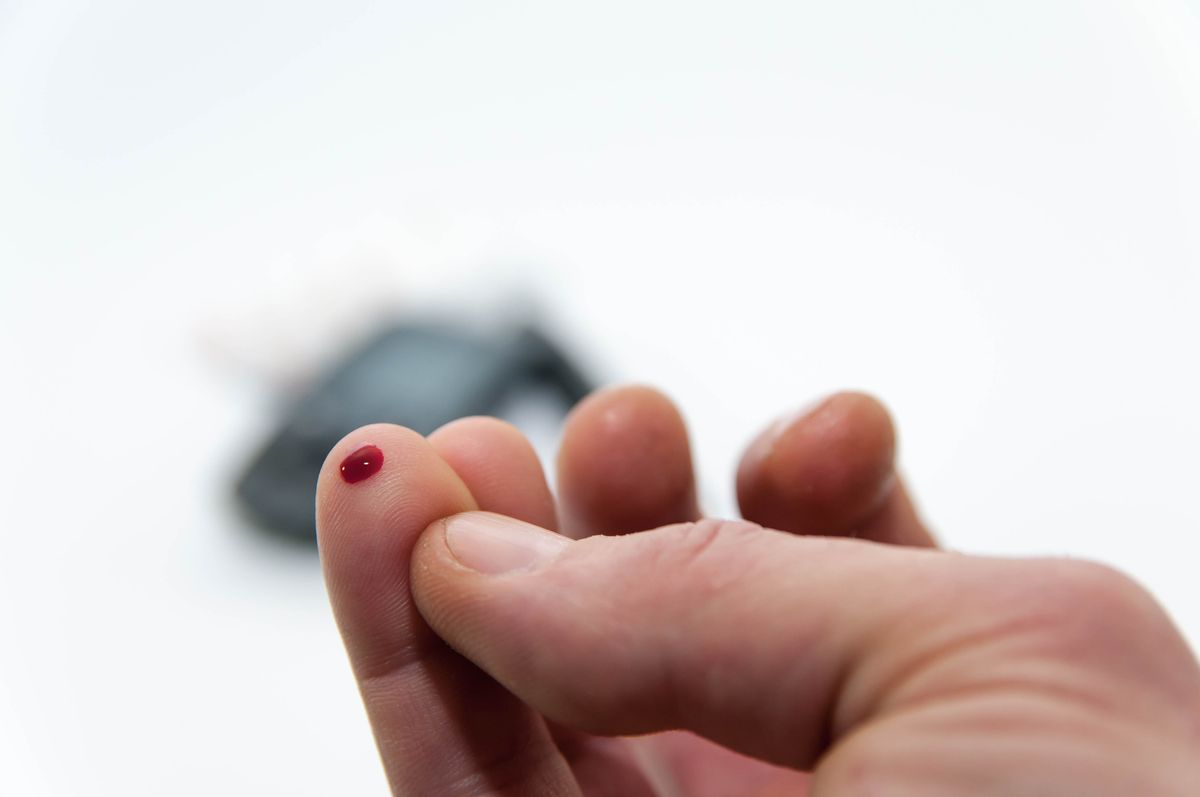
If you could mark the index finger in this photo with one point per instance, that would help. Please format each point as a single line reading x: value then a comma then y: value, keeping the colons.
x: 442, y: 725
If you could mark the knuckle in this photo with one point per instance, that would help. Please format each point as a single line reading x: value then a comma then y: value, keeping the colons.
x: 1086, y: 606
x: 652, y: 590
x: 700, y: 542
x: 1090, y: 589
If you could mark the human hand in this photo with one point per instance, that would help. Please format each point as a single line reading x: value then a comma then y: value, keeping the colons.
x: 883, y: 669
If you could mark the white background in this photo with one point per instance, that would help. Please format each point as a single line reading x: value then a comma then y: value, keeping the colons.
x: 986, y: 213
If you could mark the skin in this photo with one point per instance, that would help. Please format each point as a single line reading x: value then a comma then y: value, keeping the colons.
x: 746, y: 657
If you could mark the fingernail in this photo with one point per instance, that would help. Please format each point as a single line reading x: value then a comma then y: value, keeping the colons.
x: 495, y: 544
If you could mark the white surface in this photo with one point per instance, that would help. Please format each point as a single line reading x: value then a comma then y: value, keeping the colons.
x: 985, y: 213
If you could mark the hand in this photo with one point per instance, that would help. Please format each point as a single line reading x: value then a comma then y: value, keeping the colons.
x: 498, y: 657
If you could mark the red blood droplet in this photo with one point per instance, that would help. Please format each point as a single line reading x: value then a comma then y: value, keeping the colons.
x: 362, y: 464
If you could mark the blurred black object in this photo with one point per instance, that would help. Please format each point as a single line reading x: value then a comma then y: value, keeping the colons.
x: 417, y: 375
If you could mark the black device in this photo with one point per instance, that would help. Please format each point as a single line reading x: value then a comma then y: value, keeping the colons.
x: 419, y: 375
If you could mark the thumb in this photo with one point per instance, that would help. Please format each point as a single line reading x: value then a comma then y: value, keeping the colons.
x: 733, y: 631
x: 771, y: 644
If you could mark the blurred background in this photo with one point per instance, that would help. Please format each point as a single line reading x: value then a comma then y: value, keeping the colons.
x: 988, y: 214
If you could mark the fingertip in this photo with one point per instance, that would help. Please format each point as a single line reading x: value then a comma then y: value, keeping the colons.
x: 500, y: 467
x: 625, y: 463
x: 407, y: 475
x: 451, y: 436
x: 824, y: 470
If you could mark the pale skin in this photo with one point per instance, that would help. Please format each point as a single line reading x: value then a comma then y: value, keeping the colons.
x: 507, y: 641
